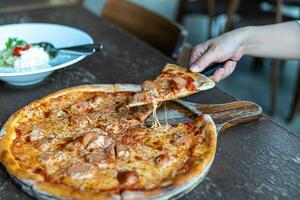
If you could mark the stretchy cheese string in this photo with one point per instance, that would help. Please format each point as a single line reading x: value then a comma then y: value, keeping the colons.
x: 166, y: 115
x: 156, y: 122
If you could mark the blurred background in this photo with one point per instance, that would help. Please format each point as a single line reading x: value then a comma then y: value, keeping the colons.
x: 254, y: 79
x: 273, y: 84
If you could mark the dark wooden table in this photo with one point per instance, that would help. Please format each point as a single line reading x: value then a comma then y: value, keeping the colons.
x: 258, y: 160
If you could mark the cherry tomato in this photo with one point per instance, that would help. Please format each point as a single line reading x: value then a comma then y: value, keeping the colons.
x: 17, y: 50
x: 26, y: 47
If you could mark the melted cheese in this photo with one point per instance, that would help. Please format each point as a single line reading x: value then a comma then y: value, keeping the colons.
x: 156, y: 122
x: 166, y: 114
x: 58, y: 142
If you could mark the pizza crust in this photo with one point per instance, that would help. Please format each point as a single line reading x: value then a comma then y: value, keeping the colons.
x: 127, y: 88
x: 50, y: 190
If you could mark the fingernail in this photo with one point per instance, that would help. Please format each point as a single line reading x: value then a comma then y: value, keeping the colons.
x: 195, y: 68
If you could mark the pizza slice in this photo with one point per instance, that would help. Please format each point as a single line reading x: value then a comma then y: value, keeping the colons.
x: 173, y: 82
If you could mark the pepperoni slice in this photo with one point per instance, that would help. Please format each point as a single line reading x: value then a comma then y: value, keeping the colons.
x: 128, y: 178
x: 162, y: 160
x: 80, y: 171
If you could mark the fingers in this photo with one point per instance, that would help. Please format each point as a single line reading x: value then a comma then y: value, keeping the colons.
x: 224, y: 72
x: 205, y: 60
x: 198, y: 51
x: 219, y: 73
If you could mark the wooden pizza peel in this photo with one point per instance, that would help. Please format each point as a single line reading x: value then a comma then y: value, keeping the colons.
x: 224, y: 115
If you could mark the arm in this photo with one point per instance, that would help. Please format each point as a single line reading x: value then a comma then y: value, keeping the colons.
x: 272, y: 41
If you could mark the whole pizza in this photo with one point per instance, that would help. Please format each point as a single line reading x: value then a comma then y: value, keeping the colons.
x: 85, y: 143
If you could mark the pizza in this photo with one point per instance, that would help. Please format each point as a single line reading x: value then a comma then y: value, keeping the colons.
x: 85, y: 143
x: 173, y: 82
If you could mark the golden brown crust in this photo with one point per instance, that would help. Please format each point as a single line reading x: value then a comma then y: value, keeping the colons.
x: 127, y: 87
x: 59, y: 190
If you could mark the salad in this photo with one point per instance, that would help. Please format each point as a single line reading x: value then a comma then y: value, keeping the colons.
x: 21, y: 55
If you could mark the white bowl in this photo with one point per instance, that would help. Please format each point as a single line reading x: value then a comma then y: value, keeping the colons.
x: 58, y: 35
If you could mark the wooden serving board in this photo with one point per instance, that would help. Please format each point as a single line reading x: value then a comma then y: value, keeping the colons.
x: 224, y: 115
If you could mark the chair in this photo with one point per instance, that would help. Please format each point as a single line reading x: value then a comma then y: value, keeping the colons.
x: 160, y: 33
x: 211, y: 8
x: 296, y: 102
x: 21, y: 5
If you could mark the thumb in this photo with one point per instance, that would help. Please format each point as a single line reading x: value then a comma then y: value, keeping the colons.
x: 205, y: 60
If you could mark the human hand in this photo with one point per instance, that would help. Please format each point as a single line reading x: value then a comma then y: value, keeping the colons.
x: 227, y: 47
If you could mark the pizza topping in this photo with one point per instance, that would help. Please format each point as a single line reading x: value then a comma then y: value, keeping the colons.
x: 140, y: 97
x: 94, y: 140
x: 96, y: 157
x: 122, y: 151
x: 100, y: 142
x: 102, y: 157
x: 53, y: 160
x: 128, y: 178
x: 120, y: 107
x: 200, y: 140
x: 180, y: 138
x: 180, y: 81
x: 60, y: 114
x: 75, y: 145
x: 79, y: 121
x: 150, y: 88
x: 36, y: 134
x: 52, y: 157
x: 173, y: 86
x: 134, y: 136
x: 191, y: 84
x: 81, y: 106
x: 80, y: 171
x: 23, y: 129
x: 49, y: 143
x: 191, y: 126
x: 88, y: 138
x: 162, y: 160
x: 133, y: 123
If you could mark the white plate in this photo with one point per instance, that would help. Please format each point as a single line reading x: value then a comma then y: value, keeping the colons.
x: 58, y: 35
